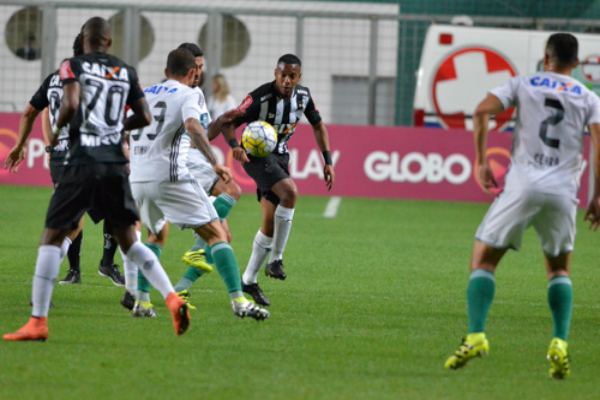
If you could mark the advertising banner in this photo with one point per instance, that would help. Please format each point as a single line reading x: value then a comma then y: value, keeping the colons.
x: 379, y: 162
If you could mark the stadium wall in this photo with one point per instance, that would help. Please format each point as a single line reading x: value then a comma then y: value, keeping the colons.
x: 377, y: 162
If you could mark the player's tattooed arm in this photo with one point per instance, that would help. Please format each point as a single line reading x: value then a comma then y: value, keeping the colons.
x: 196, y: 131
x: 593, y: 211
x: 322, y: 137
x: 17, y: 153
x: 141, y: 115
x: 491, y: 105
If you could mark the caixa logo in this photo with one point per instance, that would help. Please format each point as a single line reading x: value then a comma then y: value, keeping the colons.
x: 417, y: 167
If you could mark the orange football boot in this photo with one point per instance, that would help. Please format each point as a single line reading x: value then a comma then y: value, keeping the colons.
x: 35, y: 329
x: 179, y: 311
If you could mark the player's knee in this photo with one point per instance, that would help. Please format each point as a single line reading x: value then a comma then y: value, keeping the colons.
x: 289, y: 198
x: 234, y: 190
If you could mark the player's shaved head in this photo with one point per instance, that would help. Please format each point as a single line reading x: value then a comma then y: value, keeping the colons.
x: 96, y: 33
x: 562, y: 49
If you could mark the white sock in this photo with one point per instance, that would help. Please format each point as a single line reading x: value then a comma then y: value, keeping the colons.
x: 46, y: 271
x: 260, y: 252
x: 64, y: 248
x: 283, y: 225
x: 145, y: 259
x: 131, y: 273
x: 130, y: 270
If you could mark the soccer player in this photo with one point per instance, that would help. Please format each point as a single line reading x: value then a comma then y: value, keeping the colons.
x: 227, y: 192
x: 96, y: 87
x: 48, y: 96
x: 281, y: 103
x: 541, y: 190
x: 160, y: 180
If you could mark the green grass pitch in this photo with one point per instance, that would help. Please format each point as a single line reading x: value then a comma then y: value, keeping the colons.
x: 373, y: 304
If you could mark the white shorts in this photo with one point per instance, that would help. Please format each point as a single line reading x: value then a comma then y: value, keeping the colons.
x: 184, y: 204
x: 552, y: 216
x: 201, y: 170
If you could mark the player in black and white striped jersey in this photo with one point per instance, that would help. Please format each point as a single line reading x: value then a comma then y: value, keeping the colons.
x: 281, y: 103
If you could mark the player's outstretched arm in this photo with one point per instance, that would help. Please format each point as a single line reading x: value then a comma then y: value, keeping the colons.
x: 217, y: 125
x: 237, y: 151
x: 322, y: 137
x: 17, y: 153
x: 196, y: 131
x: 141, y: 115
x: 491, y: 105
x: 593, y: 211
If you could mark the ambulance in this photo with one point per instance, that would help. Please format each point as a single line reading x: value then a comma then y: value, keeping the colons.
x: 461, y: 64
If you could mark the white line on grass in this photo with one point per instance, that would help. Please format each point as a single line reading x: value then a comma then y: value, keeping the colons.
x: 332, y: 207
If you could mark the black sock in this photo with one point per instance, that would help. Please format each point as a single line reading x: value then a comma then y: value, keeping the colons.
x: 110, y: 246
x: 74, y: 252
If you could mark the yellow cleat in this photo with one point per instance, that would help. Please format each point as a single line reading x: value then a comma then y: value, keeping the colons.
x: 197, y: 259
x: 185, y: 295
x: 474, y: 345
x: 559, y: 359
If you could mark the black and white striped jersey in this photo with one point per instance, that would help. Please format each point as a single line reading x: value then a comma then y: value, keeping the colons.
x: 265, y: 104
x: 49, y: 95
x: 107, y: 85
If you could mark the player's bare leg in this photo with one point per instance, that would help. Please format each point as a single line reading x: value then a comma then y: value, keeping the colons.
x: 480, y: 294
x: 226, y: 263
x: 150, y: 266
x: 50, y: 253
x: 560, y: 300
x: 282, y: 224
x: 74, y: 250
x: 227, y: 196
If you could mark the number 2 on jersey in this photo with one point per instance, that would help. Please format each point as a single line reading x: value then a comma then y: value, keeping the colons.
x: 551, y: 120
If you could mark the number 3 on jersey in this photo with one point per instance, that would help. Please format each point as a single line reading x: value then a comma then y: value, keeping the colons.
x: 160, y: 118
x: 551, y: 120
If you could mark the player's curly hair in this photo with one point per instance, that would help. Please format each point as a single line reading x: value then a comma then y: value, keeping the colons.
x: 78, y: 45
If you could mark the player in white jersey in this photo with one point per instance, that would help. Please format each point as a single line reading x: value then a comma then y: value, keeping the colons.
x: 227, y: 193
x: 161, y: 183
x: 546, y: 163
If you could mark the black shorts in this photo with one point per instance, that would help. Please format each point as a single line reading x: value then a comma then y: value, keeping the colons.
x: 266, y: 172
x: 102, y: 190
x: 55, y: 172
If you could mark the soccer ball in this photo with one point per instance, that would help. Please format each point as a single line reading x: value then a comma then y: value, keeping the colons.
x: 259, y: 139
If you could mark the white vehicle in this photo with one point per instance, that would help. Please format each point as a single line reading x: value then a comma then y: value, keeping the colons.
x: 460, y: 65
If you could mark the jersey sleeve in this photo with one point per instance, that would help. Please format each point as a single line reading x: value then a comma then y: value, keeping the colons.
x: 507, y: 93
x: 70, y: 70
x: 191, y: 107
x: 251, y: 107
x: 39, y: 101
x: 311, y: 112
x: 593, y: 115
x: 135, y: 90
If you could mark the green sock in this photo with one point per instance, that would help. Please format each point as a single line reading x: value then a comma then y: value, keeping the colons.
x: 143, y: 284
x: 198, y: 244
x: 560, y: 299
x: 208, y: 254
x: 480, y: 295
x: 228, y: 268
x: 191, y: 275
x: 223, y: 204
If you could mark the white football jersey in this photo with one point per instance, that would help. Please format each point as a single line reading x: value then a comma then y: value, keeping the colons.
x: 194, y: 155
x: 552, y: 113
x: 157, y: 152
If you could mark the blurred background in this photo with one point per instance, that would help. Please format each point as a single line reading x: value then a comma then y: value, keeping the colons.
x: 360, y: 58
